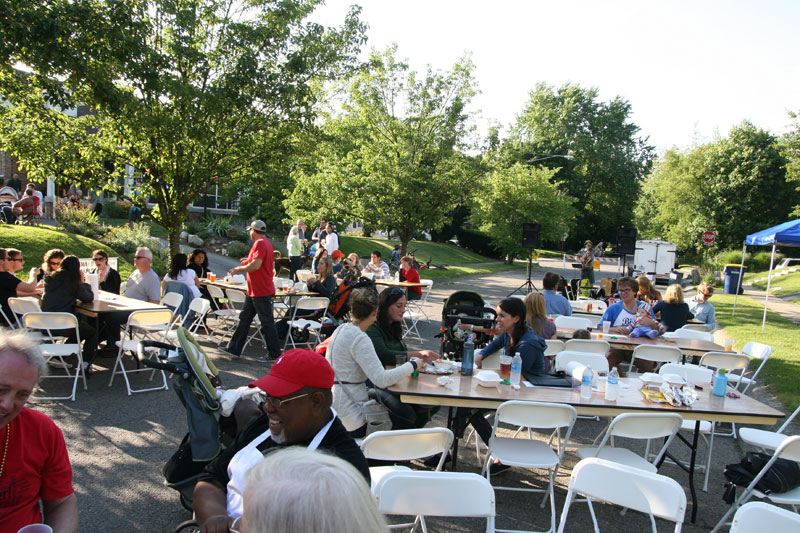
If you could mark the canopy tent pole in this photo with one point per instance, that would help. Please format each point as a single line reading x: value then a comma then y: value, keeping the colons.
x: 741, y: 275
x: 769, y: 282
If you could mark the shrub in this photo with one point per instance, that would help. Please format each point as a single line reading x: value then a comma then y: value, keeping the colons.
x: 242, y: 236
x: 238, y: 249
x: 478, y: 242
x: 80, y: 220
x: 760, y: 260
x: 710, y: 279
x: 194, y: 227
x: 116, y: 209
x: 218, y: 224
x: 126, y: 239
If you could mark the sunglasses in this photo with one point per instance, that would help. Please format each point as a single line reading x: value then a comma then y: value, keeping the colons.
x: 54, y: 263
x: 140, y: 257
x: 98, y: 259
x: 397, y: 292
x: 277, y: 403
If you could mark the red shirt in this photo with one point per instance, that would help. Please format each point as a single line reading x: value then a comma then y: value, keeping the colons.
x: 412, y: 276
x: 259, y: 283
x: 37, y: 466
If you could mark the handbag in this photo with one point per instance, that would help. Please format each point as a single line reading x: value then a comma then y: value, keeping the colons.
x: 375, y: 413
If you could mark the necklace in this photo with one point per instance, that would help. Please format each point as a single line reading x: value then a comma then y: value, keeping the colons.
x: 5, y: 449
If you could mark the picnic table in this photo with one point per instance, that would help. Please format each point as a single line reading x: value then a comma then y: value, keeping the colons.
x: 466, y: 392
x: 401, y: 284
x: 279, y: 293
x: 624, y: 342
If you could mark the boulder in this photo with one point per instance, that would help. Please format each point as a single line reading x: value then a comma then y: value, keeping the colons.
x: 184, y: 235
x: 196, y: 241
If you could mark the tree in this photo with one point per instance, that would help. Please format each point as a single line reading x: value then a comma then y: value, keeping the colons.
x: 391, y: 158
x: 189, y: 93
x: 513, y: 195
x: 732, y: 186
x: 790, y: 148
x: 610, y: 159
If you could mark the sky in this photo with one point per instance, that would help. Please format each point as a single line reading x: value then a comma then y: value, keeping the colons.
x: 691, y: 70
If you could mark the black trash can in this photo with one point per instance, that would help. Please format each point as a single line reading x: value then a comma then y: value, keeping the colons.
x: 732, y: 275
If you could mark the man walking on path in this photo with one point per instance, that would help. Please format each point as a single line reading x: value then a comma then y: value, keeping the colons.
x: 260, y: 289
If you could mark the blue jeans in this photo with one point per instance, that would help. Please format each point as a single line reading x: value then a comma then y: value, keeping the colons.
x: 262, y: 306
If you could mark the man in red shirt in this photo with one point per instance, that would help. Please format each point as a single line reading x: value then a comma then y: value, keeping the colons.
x: 34, y: 463
x: 258, y: 266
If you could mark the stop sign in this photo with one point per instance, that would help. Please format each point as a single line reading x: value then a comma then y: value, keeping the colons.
x: 709, y: 237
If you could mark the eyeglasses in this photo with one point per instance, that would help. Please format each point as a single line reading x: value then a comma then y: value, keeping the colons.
x: 54, y: 263
x: 277, y: 403
x: 137, y: 257
x: 98, y: 259
x: 625, y: 291
x: 16, y: 259
x: 396, y: 291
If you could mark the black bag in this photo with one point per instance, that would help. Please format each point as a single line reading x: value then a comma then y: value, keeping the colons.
x: 782, y: 476
x: 551, y: 379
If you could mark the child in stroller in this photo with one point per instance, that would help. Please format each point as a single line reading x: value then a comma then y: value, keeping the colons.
x: 464, y: 313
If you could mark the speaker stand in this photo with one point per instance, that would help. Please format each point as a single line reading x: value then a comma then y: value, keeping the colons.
x: 528, y: 285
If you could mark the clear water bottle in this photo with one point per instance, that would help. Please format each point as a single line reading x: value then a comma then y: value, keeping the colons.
x: 468, y: 358
x: 397, y: 277
x: 516, y: 370
x: 586, y: 383
x: 612, y: 387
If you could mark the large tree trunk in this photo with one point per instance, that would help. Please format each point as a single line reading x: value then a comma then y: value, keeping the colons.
x: 174, y: 240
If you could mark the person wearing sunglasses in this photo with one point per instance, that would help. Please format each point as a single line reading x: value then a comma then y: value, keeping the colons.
x: 296, y: 411
x: 10, y: 285
x: 625, y: 316
x: 143, y: 283
x: 51, y: 263
x: 701, y: 308
x: 108, y: 277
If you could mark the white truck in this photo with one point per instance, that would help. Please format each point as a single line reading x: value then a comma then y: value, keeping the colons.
x: 656, y: 259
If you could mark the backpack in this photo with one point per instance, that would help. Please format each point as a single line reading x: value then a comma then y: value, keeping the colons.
x: 782, y: 476
x: 339, y: 305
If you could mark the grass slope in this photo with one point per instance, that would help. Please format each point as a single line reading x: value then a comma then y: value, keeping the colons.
x: 34, y: 241
x: 783, y: 368
x: 448, y: 254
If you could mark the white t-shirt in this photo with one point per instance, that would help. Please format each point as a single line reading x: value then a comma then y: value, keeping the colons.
x: 187, y: 277
x: 625, y: 318
x: 331, y: 242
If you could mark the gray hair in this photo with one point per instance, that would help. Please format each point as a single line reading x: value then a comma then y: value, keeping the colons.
x: 144, y: 251
x: 22, y: 344
x: 297, y: 489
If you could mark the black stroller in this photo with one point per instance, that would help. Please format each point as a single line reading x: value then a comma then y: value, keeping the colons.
x: 196, y: 384
x: 464, y: 308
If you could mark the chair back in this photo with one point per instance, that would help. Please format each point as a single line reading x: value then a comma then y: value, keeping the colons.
x: 553, y: 346
x: 695, y: 327
x: 20, y: 306
x: 215, y: 292
x: 757, y: 350
x: 536, y: 414
x: 173, y: 300
x: 731, y: 362
x: 50, y: 321
x: 6, y: 319
x: 687, y: 333
x: 645, y: 425
x: 149, y: 317
x: 409, y: 492
x: 572, y: 322
x: 587, y: 345
x: 236, y: 298
x: 312, y: 302
x: 757, y: 516
x: 691, y: 373
x: 407, y: 444
x: 303, y: 275
x: 658, y: 354
x: 598, y: 362
x: 646, y: 492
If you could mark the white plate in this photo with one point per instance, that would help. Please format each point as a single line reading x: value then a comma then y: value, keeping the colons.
x: 651, y: 377
x: 673, y: 379
x: 670, y: 335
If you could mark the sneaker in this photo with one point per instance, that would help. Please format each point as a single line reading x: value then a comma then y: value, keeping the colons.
x: 498, y: 468
x: 227, y: 352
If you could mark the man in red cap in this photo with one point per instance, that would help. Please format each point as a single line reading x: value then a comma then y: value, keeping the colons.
x: 297, y: 412
x: 337, y: 257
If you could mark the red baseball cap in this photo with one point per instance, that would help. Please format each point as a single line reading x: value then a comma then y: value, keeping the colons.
x: 294, y: 370
x: 337, y: 253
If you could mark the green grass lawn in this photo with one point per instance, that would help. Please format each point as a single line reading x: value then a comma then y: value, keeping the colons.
x: 448, y: 254
x: 34, y: 241
x: 155, y: 229
x: 783, y: 368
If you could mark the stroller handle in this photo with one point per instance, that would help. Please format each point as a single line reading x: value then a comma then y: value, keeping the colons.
x: 168, y: 367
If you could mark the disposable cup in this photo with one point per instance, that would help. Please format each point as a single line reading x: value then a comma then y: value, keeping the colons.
x: 36, y: 528
x: 728, y: 345
x: 606, y: 326
x: 212, y: 276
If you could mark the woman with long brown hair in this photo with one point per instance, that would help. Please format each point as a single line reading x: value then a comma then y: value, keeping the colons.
x: 647, y: 292
x: 536, y: 316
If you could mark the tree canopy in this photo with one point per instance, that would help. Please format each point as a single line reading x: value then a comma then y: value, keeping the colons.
x: 188, y: 93
x: 391, y: 159
x: 733, y: 186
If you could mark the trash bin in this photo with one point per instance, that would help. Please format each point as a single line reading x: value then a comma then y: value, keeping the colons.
x: 732, y: 274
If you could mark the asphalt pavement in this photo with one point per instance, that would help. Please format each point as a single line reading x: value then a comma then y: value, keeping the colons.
x: 119, y: 443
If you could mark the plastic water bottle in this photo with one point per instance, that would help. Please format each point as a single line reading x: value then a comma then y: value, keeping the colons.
x: 586, y: 383
x: 468, y: 358
x: 720, y: 383
x: 516, y: 370
x: 612, y: 387
x: 397, y: 277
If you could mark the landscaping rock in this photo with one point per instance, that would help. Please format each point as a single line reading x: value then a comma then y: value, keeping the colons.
x: 695, y: 277
x: 194, y: 240
x: 184, y: 235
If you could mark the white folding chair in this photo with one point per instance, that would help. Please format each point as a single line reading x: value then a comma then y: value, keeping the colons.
x: 279, y: 305
x: 688, y: 333
x: 529, y: 453
x: 553, y: 346
x: 695, y: 374
x: 420, y: 493
x: 732, y: 362
x: 130, y: 343
x: 647, y: 492
x: 45, y: 323
x: 767, y: 440
x: 170, y: 299
x: 640, y: 426
x: 307, y: 304
x: 225, y: 317
x: 418, y: 306
x: 20, y: 306
x: 789, y: 449
x: 696, y: 327
x: 410, y: 321
x: 198, y: 309
x: 12, y: 324
x: 655, y: 354
x: 303, y: 275
x: 237, y: 298
x: 755, y: 517
x: 598, y: 362
x: 572, y: 322
x: 755, y: 350
x: 587, y: 345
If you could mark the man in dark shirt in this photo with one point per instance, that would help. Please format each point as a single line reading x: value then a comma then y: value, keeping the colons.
x: 10, y: 285
x: 297, y: 412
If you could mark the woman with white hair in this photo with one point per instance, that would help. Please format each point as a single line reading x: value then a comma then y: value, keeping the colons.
x: 294, y: 249
x: 296, y: 489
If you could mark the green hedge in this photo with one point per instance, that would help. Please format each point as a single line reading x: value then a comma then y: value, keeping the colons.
x: 478, y: 242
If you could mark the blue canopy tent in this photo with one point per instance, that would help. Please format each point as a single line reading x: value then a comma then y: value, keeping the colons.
x: 786, y: 234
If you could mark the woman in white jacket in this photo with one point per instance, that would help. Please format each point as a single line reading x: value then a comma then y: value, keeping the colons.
x: 354, y: 360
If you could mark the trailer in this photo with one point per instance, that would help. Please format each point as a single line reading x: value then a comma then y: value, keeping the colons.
x: 655, y: 259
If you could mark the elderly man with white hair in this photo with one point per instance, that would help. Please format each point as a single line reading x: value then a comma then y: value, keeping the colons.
x: 34, y: 465
x: 143, y: 284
